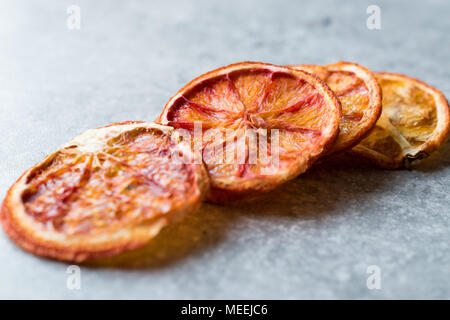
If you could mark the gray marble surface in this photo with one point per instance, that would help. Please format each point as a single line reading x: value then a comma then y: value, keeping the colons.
x: 312, y: 238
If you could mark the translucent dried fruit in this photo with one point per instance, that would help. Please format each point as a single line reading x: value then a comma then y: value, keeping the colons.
x: 293, y: 111
x: 360, y: 97
x: 108, y: 190
x: 414, y: 122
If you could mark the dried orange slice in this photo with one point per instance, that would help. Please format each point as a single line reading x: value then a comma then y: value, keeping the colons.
x: 293, y: 111
x: 414, y: 122
x: 360, y: 97
x: 108, y: 190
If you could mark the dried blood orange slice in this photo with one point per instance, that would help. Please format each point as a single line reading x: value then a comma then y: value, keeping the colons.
x: 360, y: 97
x: 414, y: 122
x: 293, y: 111
x: 108, y: 190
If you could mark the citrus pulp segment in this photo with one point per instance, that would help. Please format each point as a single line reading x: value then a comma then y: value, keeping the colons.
x: 414, y: 122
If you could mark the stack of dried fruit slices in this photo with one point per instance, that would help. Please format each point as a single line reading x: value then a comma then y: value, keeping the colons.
x: 112, y: 189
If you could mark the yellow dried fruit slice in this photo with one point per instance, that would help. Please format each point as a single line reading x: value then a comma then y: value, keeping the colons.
x: 414, y: 122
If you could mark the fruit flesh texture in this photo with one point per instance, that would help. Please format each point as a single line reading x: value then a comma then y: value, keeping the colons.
x: 252, y: 99
x: 353, y: 94
x: 407, y: 121
x: 354, y: 97
x: 126, y: 183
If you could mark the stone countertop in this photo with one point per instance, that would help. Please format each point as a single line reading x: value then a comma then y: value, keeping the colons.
x: 314, y: 237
